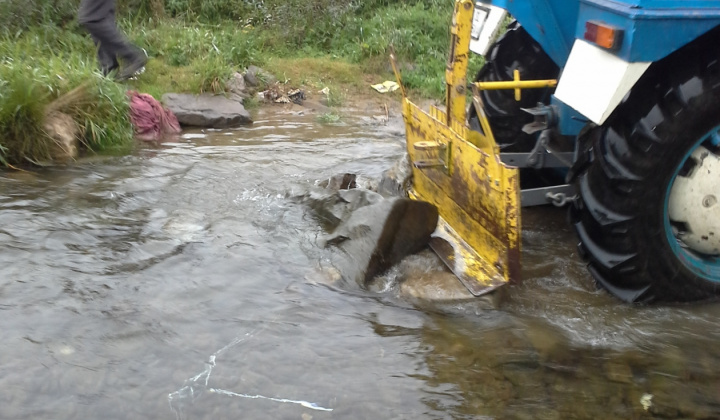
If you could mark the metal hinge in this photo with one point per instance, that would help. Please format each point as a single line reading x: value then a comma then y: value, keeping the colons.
x: 437, y: 155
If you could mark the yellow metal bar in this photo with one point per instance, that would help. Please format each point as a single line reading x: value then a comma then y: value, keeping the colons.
x: 516, y: 84
x: 523, y: 84
x: 487, y: 139
x: 397, y: 74
x: 456, y: 70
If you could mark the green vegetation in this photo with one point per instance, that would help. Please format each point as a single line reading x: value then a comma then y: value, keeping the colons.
x: 329, y: 118
x: 35, y: 81
x: 195, y: 45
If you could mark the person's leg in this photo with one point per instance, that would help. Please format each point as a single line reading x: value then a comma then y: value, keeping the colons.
x: 98, y: 17
x: 111, y: 40
x: 94, y: 10
x: 108, y: 62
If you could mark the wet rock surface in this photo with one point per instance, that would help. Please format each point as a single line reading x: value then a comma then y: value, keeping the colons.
x: 206, y: 110
x: 396, y: 181
x: 339, y: 182
x: 331, y: 208
x: 379, y: 241
x: 377, y: 236
x: 425, y: 279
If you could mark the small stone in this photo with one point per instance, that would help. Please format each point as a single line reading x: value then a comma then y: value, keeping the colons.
x: 236, y: 88
x: 256, y: 77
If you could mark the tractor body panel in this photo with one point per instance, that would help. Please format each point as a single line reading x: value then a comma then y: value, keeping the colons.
x: 652, y: 28
x: 595, y: 79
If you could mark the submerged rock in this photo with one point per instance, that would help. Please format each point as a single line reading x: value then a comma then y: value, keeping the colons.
x: 425, y: 281
x: 340, y: 182
x: 185, y: 225
x: 440, y: 286
x: 206, y: 110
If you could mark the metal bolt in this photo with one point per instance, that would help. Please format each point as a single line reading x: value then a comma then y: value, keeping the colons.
x: 709, y: 200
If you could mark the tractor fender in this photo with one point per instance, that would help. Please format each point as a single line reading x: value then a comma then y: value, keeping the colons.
x: 594, y: 81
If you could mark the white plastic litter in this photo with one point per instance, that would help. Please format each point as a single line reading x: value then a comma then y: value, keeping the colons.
x: 386, y: 86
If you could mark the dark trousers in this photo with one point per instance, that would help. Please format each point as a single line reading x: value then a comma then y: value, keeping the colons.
x: 98, y: 17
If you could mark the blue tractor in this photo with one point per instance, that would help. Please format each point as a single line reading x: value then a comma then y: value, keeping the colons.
x: 627, y: 134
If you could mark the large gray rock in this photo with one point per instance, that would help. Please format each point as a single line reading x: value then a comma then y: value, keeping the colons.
x: 206, y: 110
x: 377, y: 236
x: 257, y: 77
x: 379, y: 244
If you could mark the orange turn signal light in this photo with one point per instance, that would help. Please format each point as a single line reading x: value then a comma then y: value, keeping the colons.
x: 603, y: 35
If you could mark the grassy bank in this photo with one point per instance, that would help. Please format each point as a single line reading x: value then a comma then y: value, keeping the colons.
x: 35, y: 79
x: 195, y: 46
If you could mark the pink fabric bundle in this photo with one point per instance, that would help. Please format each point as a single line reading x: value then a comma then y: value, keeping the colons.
x: 151, y: 120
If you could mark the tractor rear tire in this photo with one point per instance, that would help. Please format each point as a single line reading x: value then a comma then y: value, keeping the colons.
x: 514, y: 50
x: 634, y: 163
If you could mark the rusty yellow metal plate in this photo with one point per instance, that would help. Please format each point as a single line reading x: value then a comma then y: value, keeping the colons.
x: 477, y: 198
x: 460, y: 172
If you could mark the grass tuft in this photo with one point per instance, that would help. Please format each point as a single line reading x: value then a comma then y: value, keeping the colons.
x: 22, y: 103
x: 329, y: 118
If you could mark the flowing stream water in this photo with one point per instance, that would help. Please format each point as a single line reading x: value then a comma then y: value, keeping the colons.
x: 173, y: 284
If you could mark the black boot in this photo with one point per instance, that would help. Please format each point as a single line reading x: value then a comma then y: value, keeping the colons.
x: 129, y: 69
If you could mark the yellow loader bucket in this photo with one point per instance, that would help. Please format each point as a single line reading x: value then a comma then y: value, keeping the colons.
x: 459, y: 171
